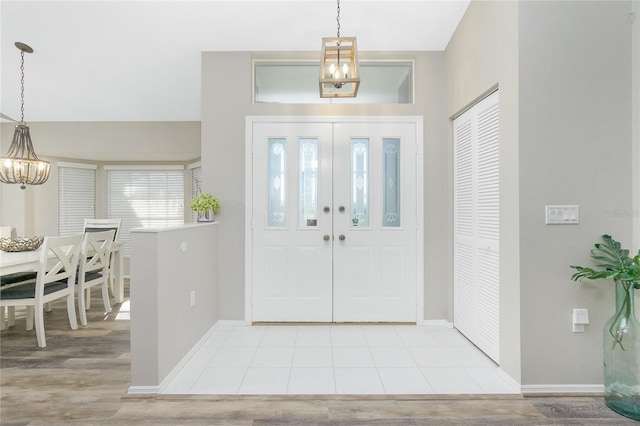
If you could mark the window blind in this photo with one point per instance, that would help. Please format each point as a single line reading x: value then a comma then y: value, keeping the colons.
x: 144, y: 199
x: 76, y: 198
x: 196, y: 179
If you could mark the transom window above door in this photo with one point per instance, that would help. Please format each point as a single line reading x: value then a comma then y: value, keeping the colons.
x: 296, y: 82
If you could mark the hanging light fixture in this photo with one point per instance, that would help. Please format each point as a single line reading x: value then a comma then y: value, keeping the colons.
x: 339, y: 74
x: 21, y: 164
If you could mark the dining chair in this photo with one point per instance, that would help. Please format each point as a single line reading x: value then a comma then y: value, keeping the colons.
x: 94, y: 270
x: 8, y: 320
x: 5, y: 231
x: 51, y: 284
x: 100, y: 225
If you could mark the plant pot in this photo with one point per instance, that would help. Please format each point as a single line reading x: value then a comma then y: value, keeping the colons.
x: 622, y: 355
x: 208, y: 216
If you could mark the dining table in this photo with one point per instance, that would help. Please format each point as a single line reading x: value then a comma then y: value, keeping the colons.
x: 24, y: 261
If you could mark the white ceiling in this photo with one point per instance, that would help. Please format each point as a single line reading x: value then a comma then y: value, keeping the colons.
x: 140, y: 61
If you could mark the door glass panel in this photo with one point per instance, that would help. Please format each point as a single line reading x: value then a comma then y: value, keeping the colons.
x: 308, y: 209
x: 359, y: 182
x: 391, y: 182
x: 277, y: 182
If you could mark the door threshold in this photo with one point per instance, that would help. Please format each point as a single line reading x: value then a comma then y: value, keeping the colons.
x: 302, y: 323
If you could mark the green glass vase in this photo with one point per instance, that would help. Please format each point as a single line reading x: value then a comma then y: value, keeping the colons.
x: 622, y: 355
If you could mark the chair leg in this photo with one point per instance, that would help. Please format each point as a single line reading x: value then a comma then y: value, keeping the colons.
x: 88, y: 299
x: 39, y: 319
x: 29, y: 316
x: 11, y: 316
x: 82, y: 307
x: 71, y: 310
x: 105, y: 296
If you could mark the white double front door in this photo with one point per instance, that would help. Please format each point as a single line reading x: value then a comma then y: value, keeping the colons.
x: 334, y: 232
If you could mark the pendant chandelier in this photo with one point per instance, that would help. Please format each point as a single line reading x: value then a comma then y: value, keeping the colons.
x: 21, y: 165
x: 339, y: 74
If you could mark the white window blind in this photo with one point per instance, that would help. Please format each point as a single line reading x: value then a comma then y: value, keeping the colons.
x: 196, y: 179
x: 76, y: 197
x: 145, y: 199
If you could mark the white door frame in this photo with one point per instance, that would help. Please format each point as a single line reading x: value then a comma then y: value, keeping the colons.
x: 248, y: 195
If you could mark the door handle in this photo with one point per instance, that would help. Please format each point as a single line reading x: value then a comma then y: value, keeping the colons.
x: 326, y: 209
x: 342, y: 237
x: 326, y: 237
x: 341, y: 209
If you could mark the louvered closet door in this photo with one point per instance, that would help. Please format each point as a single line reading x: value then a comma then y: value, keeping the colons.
x: 476, y: 224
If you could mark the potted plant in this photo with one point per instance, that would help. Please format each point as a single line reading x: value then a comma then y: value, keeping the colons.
x: 621, y: 336
x: 206, y: 205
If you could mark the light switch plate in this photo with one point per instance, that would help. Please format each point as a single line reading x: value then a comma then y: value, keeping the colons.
x: 561, y: 215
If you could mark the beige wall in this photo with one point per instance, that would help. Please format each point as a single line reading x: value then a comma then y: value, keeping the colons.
x: 575, y: 148
x: 34, y: 211
x: 224, y: 108
x: 483, y: 54
x: 635, y: 51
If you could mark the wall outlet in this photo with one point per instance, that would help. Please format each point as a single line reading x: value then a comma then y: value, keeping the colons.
x: 580, y: 318
x: 193, y: 298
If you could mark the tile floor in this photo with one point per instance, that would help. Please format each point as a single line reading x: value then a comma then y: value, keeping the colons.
x: 337, y: 359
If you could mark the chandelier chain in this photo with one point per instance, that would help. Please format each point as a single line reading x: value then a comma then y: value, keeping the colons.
x: 338, y: 19
x: 22, y: 88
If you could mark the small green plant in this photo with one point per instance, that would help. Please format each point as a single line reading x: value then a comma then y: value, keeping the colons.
x: 205, y: 202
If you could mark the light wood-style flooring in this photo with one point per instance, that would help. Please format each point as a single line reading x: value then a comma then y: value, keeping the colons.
x: 82, y: 378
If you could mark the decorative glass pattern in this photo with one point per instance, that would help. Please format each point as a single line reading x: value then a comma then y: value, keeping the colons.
x: 391, y: 182
x: 359, y: 182
x: 308, y: 200
x: 277, y: 192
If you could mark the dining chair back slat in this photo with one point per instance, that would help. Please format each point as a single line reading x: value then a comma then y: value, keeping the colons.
x: 95, y: 256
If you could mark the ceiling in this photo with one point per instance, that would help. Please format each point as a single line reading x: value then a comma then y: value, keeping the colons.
x: 140, y: 60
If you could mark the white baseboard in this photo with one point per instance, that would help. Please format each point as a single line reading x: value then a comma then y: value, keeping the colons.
x: 143, y: 390
x: 232, y: 322
x: 146, y: 390
x: 435, y: 323
x: 559, y: 389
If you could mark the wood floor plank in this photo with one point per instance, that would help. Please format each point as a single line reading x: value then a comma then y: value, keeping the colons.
x: 82, y: 378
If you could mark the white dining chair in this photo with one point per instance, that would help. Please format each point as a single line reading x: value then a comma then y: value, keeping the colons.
x: 94, y: 270
x: 5, y: 231
x: 51, y: 283
x: 100, y: 225
x: 9, y: 319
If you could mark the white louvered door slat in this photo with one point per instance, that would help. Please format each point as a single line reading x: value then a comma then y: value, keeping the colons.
x: 464, y: 292
x: 476, y: 224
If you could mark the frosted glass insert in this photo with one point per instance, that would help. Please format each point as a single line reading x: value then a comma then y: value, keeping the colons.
x: 391, y: 182
x: 359, y: 182
x: 308, y: 209
x: 277, y: 182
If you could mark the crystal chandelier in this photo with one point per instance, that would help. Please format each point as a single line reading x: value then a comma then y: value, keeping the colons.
x: 21, y: 164
x: 339, y: 74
